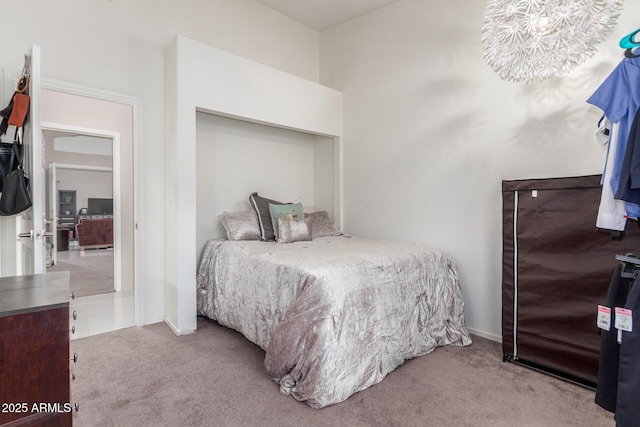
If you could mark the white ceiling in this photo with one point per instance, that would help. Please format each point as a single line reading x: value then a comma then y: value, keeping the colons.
x: 83, y: 144
x: 73, y: 142
x: 323, y: 14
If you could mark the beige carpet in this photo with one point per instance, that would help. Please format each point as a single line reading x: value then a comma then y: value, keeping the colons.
x: 91, y: 274
x: 215, y: 377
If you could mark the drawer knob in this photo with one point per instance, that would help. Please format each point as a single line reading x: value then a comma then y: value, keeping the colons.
x: 74, y: 358
x: 73, y: 377
x: 76, y: 407
x: 73, y: 329
x: 73, y: 295
x: 74, y: 315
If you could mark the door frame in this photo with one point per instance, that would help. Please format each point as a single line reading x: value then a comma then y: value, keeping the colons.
x: 138, y: 175
x: 117, y: 192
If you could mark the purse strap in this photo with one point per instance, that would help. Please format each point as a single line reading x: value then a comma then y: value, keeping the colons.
x: 16, y: 154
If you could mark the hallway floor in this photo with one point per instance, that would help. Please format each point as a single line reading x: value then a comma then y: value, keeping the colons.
x: 92, y: 272
x: 102, y: 313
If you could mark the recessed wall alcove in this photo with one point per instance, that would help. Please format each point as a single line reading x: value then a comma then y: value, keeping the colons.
x: 235, y: 126
x: 234, y: 158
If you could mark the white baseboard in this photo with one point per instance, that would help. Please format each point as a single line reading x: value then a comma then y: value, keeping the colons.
x: 152, y: 321
x: 486, y: 335
x: 175, y: 329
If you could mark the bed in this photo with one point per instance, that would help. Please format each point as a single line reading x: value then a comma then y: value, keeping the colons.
x: 334, y: 314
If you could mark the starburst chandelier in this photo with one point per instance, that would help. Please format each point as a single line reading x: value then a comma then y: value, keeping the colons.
x: 533, y: 40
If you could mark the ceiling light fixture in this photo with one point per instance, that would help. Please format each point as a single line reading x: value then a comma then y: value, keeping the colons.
x: 533, y: 40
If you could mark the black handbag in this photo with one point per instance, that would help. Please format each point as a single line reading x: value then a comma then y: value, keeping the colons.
x: 15, y: 195
x: 6, y: 164
x: 5, y: 113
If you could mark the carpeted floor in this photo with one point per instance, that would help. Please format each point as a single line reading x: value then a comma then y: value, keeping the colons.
x: 214, y: 377
x: 91, y: 274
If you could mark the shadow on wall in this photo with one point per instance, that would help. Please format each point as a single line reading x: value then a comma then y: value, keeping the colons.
x: 553, y: 112
x: 548, y: 129
x: 440, y: 150
x: 561, y: 88
x: 452, y: 134
x: 448, y: 92
x: 439, y: 127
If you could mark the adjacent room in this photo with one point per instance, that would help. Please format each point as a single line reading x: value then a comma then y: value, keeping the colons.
x: 80, y: 187
x: 369, y: 213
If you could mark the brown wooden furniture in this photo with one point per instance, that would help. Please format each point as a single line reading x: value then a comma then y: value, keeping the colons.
x: 67, y: 207
x: 63, y: 239
x: 34, y: 351
x: 95, y: 233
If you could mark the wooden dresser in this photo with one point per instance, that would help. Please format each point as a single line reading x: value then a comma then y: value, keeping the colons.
x: 34, y: 351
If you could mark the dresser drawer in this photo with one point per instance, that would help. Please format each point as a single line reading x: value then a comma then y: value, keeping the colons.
x: 34, y: 352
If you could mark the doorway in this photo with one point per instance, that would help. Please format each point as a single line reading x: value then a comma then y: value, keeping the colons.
x: 80, y: 208
x: 86, y: 220
x: 72, y: 110
x: 83, y: 107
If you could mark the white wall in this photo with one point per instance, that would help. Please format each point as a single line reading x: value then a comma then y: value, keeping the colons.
x: 236, y: 158
x: 430, y: 133
x: 73, y: 158
x: 119, y: 46
x: 87, y: 184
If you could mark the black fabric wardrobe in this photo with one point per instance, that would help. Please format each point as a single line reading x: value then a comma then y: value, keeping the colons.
x: 556, y: 270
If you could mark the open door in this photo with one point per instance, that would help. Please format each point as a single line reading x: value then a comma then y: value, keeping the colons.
x: 30, y: 224
x: 53, y: 211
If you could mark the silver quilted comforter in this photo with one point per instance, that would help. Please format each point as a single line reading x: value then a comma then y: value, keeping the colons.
x: 335, y: 315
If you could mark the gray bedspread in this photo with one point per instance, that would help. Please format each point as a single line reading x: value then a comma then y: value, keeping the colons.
x: 335, y: 315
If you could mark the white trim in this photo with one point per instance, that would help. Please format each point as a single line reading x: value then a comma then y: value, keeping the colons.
x: 154, y: 320
x: 175, y: 329
x: 52, y: 212
x: 84, y: 167
x: 482, y: 334
x: 338, y: 184
x: 91, y: 92
x: 241, y: 89
x: 138, y: 175
x: 35, y: 219
x: 117, y: 213
x: 57, y: 127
